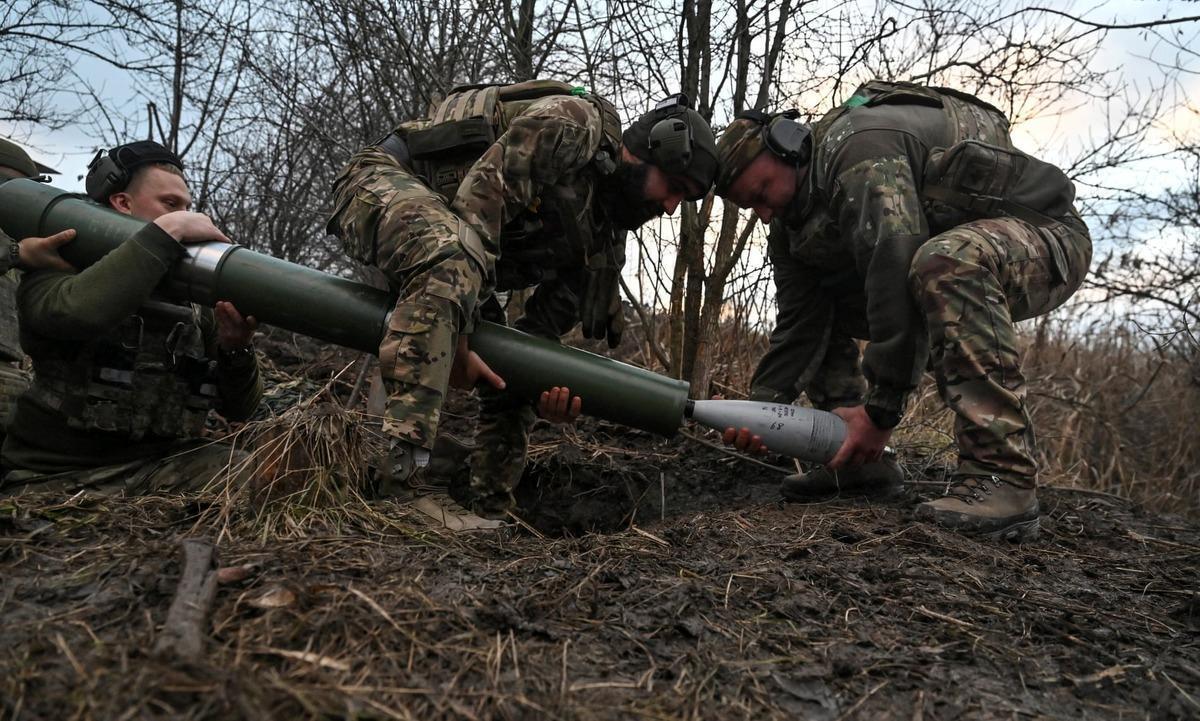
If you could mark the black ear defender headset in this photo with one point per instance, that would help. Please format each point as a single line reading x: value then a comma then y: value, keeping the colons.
x: 679, y: 141
x: 787, y: 138
x: 111, y: 170
x: 671, y: 141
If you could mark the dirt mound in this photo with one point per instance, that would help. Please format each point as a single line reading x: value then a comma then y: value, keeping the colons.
x: 706, y: 601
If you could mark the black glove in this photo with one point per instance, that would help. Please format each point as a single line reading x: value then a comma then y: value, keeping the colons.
x: 600, y: 309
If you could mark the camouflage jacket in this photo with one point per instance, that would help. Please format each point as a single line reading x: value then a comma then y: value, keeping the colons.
x: 546, y: 148
x: 66, y: 317
x: 854, y: 227
x: 10, y: 345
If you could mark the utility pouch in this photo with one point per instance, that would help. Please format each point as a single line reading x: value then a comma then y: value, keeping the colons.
x: 444, y: 153
x: 979, y: 180
x: 451, y: 139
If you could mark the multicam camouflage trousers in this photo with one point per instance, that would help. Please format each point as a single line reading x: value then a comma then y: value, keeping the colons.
x: 388, y: 218
x: 185, y: 468
x: 502, y: 429
x: 972, y: 283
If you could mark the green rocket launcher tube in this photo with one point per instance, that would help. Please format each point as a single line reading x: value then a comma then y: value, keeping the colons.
x: 342, y: 311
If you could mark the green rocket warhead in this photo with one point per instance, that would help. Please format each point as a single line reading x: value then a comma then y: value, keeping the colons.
x: 342, y: 311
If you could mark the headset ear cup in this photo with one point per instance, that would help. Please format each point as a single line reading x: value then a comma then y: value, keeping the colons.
x: 671, y: 143
x: 105, y: 177
x: 788, y: 139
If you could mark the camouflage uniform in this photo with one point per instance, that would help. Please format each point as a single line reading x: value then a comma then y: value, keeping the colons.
x: 13, y: 379
x: 122, y: 383
x: 445, y: 257
x: 871, y: 248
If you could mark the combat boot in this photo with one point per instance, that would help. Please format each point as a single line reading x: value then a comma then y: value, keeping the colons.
x: 493, y: 503
x: 879, y: 479
x: 988, y: 506
x: 448, y: 460
x: 398, y: 468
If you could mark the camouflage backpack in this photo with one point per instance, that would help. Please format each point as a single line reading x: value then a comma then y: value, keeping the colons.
x: 979, y: 174
x: 466, y: 123
x: 559, y: 231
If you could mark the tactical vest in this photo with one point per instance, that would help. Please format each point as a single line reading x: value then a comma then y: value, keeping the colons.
x: 151, y: 376
x: 978, y: 174
x: 10, y: 342
x: 559, y: 230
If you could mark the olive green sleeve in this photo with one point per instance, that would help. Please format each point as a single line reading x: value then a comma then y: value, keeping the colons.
x: 239, y: 383
x: 803, y: 319
x: 69, y: 306
x: 876, y: 202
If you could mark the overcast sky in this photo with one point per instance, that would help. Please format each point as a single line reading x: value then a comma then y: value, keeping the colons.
x: 69, y: 149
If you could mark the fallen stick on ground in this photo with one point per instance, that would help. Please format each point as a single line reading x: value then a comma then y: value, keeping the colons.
x: 183, y: 633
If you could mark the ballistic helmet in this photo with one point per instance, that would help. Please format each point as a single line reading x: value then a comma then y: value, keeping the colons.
x: 15, y: 157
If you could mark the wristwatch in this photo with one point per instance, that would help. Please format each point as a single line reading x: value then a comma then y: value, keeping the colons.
x: 14, y: 254
x: 237, y: 355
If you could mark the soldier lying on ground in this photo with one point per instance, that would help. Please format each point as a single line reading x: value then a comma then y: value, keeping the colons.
x: 26, y: 254
x: 503, y: 188
x: 123, y: 381
x: 906, y: 218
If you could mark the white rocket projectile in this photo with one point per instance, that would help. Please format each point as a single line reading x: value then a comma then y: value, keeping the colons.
x: 804, y: 433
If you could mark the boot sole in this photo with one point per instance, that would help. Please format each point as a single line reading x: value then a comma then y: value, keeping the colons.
x: 1018, y: 531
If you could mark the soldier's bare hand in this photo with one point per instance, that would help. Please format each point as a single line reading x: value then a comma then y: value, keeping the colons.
x: 188, y: 227
x: 234, y: 331
x: 469, y: 369
x: 864, y: 441
x: 557, y: 406
x: 42, y: 253
x: 743, y: 440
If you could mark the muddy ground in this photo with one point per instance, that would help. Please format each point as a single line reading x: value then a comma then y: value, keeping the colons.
x: 651, y: 579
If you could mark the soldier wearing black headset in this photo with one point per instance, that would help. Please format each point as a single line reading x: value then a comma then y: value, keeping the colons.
x: 124, y: 381
x: 148, y: 167
x: 906, y: 218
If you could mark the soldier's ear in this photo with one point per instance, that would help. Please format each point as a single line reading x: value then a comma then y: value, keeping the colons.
x: 121, y: 202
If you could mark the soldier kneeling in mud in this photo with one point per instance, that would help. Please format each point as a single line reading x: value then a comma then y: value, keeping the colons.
x: 906, y: 218
x: 504, y: 188
x: 123, y: 382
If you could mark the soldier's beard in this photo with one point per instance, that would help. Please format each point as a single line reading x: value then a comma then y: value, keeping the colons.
x: 624, y: 195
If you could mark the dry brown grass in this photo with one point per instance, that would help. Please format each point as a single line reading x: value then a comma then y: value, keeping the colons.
x: 302, y: 469
x: 1117, y: 414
